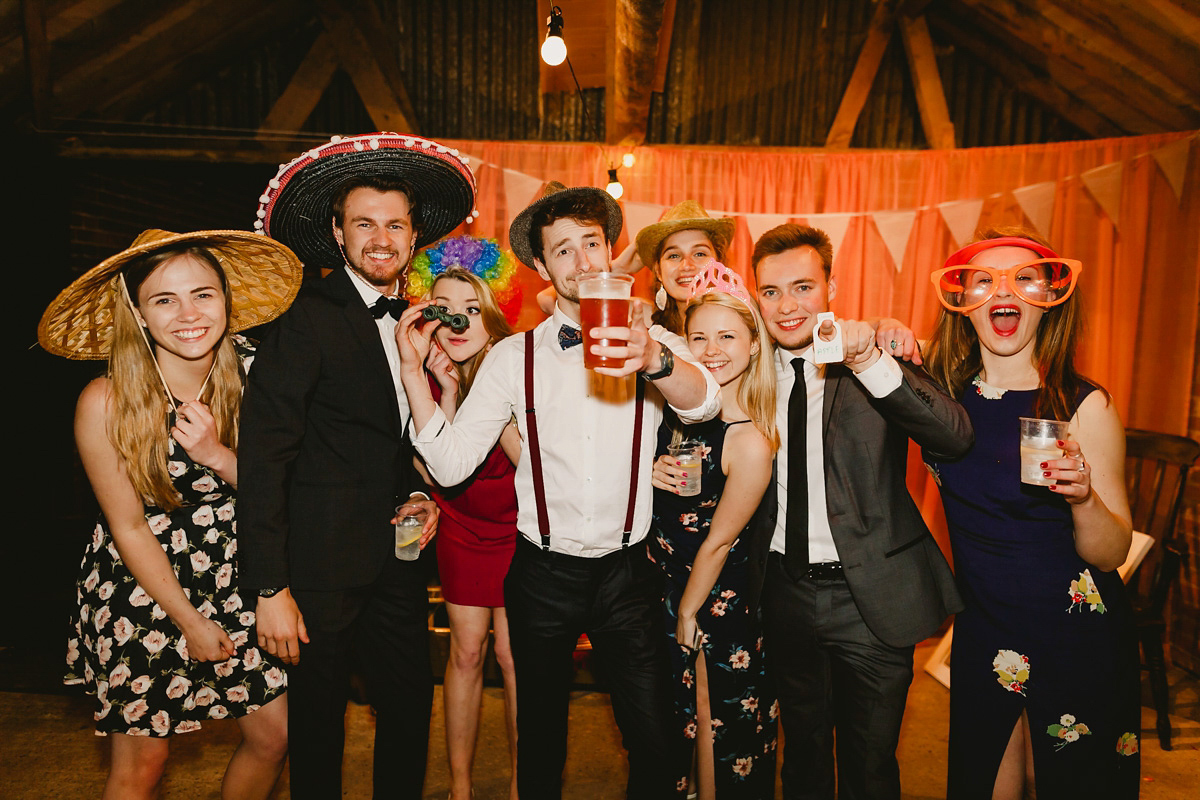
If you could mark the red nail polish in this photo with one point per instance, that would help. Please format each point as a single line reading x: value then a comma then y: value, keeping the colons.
x: 1045, y: 474
x: 1043, y: 465
x: 685, y: 474
x: 1053, y: 487
x: 1061, y: 443
x: 683, y: 483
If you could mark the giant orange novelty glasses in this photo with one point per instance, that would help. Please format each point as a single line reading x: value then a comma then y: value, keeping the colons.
x: 1047, y: 282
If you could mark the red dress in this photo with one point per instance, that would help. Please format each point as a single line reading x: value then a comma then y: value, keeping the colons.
x: 477, y: 532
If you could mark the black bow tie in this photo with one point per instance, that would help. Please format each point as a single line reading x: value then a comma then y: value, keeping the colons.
x: 389, y: 305
x: 569, y: 337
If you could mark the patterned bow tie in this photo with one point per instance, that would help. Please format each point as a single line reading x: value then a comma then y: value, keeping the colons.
x: 389, y: 305
x: 569, y: 337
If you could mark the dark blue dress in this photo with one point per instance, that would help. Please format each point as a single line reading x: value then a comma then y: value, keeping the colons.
x: 744, y: 711
x: 1043, y: 631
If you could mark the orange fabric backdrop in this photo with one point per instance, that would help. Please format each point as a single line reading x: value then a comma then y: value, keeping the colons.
x: 1141, y: 280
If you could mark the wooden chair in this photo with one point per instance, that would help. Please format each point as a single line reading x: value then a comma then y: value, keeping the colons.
x: 1156, y: 469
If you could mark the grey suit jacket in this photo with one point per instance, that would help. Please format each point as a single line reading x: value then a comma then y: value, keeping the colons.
x: 900, y: 580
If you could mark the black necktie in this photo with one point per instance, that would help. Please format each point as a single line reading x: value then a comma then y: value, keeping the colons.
x: 569, y: 337
x: 795, y: 557
x: 389, y: 305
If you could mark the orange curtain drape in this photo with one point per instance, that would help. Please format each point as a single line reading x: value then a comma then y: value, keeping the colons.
x: 1141, y: 280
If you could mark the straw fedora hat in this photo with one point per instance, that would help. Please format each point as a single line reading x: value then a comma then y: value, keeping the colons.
x: 263, y: 275
x: 688, y: 215
x: 518, y: 231
x: 297, y: 206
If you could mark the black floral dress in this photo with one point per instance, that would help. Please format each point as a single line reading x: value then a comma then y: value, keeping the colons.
x: 126, y: 651
x: 744, y: 711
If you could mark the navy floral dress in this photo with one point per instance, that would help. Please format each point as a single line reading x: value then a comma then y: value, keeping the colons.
x: 128, y: 653
x: 744, y: 711
x: 1043, y: 631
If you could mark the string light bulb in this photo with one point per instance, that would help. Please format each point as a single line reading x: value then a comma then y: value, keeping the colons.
x: 614, y: 188
x: 554, y: 49
x: 628, y: 160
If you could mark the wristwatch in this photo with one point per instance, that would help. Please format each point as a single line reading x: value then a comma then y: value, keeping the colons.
x: 270, y: 591
x: 666, y: 364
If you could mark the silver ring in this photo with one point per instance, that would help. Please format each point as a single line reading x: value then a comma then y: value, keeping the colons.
x: 893, y: 345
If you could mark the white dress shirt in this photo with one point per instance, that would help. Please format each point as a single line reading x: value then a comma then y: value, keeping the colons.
x: 880, y: 379
x: 585, y: 427
x: 387, y: 334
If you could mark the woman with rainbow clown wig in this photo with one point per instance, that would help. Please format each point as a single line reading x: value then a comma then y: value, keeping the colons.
x: 723, y: 708
x: 478, y: 524
x: 1044, y: 671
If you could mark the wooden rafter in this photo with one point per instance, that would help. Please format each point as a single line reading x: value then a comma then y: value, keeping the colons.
x: 304, y: 90
x: 638, y: 25
x: 931, y: 98
x: 363, y: 53
x: 665, y: 33
x: 863, y: 76
x: 1145, y: 40
x: 37, y: 50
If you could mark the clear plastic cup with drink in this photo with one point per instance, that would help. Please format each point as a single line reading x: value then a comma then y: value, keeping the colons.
x: 688, y: 455
x: 604, y: 302
x: 1039, y: 443
x: 408, y: 536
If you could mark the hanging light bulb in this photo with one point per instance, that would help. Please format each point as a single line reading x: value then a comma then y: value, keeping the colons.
x: 614, y: 188
x: 628, y: 160
x: 554, y: 49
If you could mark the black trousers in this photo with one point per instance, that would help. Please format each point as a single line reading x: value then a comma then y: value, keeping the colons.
x: 832, y: 673
x: 381, y: 632
x: 551, y: 599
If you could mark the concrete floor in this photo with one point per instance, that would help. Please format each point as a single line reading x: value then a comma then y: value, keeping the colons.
x: 47, y: 748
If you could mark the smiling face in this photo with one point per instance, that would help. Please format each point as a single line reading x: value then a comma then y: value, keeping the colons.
x: 182, y: 306
x: 792, y: 290
x: 570, y: 249
x: 460, y: 297
x: 377, y: 235
x: 682, y: 257
x: 720, y: 341
x: 1005, y: 324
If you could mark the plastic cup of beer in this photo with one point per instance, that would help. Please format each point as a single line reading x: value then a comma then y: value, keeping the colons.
x: 1039, y: 443
x: 408, y: 536
x: 604, y: 302
x: 688, y: 455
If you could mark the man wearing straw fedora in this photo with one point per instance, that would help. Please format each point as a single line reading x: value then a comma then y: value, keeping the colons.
x: 325, y: 457
x: 583, y: 490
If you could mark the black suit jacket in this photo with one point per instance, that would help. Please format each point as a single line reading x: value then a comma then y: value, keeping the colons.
x: 896, y: 572
x: 322, y: 457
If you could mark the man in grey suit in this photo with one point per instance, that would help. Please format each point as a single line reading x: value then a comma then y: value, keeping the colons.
x: 850, y: 576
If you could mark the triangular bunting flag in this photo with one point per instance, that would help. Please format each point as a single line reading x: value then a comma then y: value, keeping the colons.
x: 834, y: 225
x: 961, y: 217
x: 894, y: 228
x: 1037, y: 201
x: 758, y: 224
x: 639, y: 215
x: 519, y: 190
x: 1105, y: 185
x: 1172, y: 160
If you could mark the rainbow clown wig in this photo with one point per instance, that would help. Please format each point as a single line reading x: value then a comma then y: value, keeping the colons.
x: 481, y: 257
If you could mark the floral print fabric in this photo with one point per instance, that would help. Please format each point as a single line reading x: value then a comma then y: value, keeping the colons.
x: 744, y: 712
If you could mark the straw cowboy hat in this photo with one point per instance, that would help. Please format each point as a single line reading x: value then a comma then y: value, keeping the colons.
x: 297, y: 206
x: 688, y: 215
x: 263, y: 275
x: 518, y: 232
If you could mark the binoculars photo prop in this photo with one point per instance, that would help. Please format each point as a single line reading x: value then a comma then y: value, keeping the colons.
x: 457, y: 322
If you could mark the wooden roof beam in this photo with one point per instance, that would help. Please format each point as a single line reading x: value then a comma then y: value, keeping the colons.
x: 1147, y: 37
x: 37, y: 53
x: 367, y: 57
x: 304, y: 90
x: 639, y: 25
x: 869, y: 58
x: 931, y: 97
x: 1180, y: 17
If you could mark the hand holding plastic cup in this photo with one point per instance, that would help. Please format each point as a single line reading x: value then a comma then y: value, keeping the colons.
x: 689, y: 454
x: 408, y: 535
x: 604, y: 302
x: 1039, y: 443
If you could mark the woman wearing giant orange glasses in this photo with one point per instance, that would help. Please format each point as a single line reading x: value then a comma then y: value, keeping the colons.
x: 1044, y: 668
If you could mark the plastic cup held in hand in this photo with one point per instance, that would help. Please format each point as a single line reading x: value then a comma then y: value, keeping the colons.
x: 604, y: 302
x: 688, y: 455
x: 1039, y: 443
x: 408, y: 537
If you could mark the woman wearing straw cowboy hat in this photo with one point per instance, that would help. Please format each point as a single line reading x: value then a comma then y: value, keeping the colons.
x: 678, y: 248
x: 326, y: 461
x: 162, y: 637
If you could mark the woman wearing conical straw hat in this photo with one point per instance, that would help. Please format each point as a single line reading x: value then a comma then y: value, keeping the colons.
x: 161, y: 637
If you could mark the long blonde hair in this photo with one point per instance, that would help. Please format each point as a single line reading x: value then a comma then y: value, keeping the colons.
x: 493, y: 319
x: 139, y: 404
x: 756, y: 391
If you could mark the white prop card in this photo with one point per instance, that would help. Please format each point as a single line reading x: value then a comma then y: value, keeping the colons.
x: 827, y: 352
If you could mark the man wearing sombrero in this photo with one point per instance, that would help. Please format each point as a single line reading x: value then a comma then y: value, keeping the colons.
x: 583, y: 491
x: 326, y: 463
